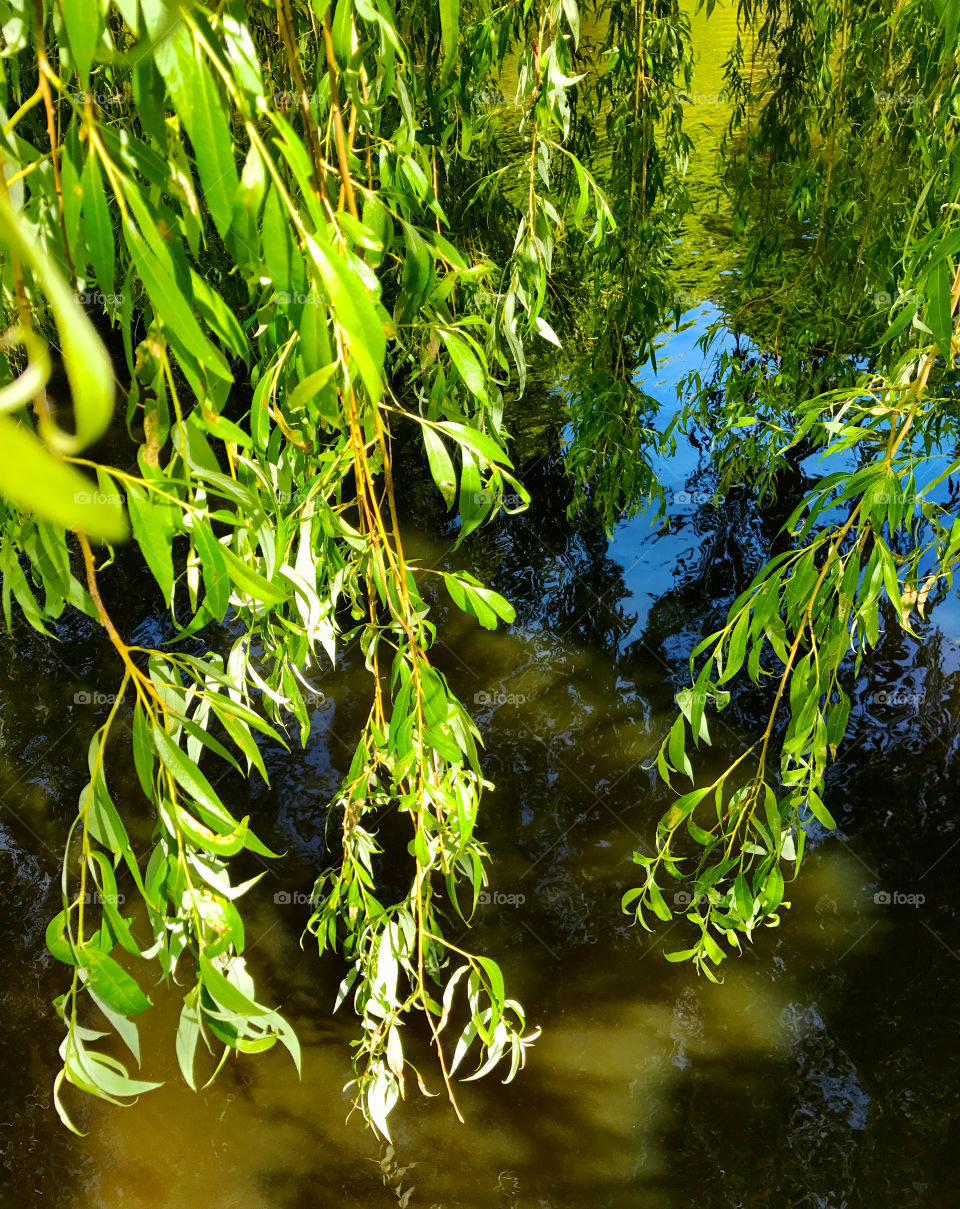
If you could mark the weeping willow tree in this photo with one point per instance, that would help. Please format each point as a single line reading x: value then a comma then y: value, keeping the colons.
x: 254, y: 197
x: 843, y: 170
x: 644, y: 65
x: 304, y: 226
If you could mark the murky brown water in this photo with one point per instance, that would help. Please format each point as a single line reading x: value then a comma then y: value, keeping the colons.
x: 823, y: 1072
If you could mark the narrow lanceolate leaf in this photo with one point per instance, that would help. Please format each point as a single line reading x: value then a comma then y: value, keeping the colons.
x: 154, y: 534
x: 112, y: 983
x: 85, y: 358
x: 449, y: 32
x: 355, y: 312
x: 241, y: 49
x: 441, y: 465
x: 34, y: 480
x: 189, y: 776
x: 482, y: 603
x: 104, y: 1076
x: 468, y: 367
x: 251, y: 582
x: 57, y: 941
x: 227, y: 993
x: 479, y: 442
x: 84, y: 24
x: 97, y: 227
x: 214, y: 566
x: 199, y: 105
x: 281, y: 255
x: 939, y: 312
x: 188, y: 1033
x: 172, y: 308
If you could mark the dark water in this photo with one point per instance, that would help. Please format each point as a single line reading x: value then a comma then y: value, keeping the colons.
x: 823, y: 1072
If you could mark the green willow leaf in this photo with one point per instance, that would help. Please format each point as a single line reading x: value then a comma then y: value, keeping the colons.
x: 189, y: 776
x: 112, y: 983
x: 153, y: 532
x: 441, y: 465
x: 35, y: 481
x: 57, y: 942
x: 449, y: 32
x: 478, y: 442
x: 227, y: 993
x: 197, y: 101
x: 251, y: 582
x: 97, y: 227
x: 468, y: 367
x: 172, y: 308
x: 84, y: 24
x: 85, y: 358
x: 188, y: 1034
x: 216, y: 578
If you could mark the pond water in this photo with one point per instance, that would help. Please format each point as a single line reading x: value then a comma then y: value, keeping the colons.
x: 822, y: 1072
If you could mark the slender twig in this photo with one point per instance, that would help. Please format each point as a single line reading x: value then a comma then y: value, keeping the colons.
x: 333, y: 74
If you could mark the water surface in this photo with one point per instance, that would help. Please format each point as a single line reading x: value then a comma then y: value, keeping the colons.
x: 823, y: 1072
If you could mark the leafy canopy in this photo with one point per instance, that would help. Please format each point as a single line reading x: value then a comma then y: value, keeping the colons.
x: 311, y: 236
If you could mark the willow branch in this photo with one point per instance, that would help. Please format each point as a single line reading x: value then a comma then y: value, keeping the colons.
x: 346, y: 184
x: 44, y: 86
x: 285, y: 21
x: 120, y: 646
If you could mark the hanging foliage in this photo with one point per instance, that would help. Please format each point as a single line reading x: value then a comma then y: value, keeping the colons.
x: 310, y: 236
x: 251, y: 195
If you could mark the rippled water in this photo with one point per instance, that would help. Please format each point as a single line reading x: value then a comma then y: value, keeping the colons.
x: 823, y: 1072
